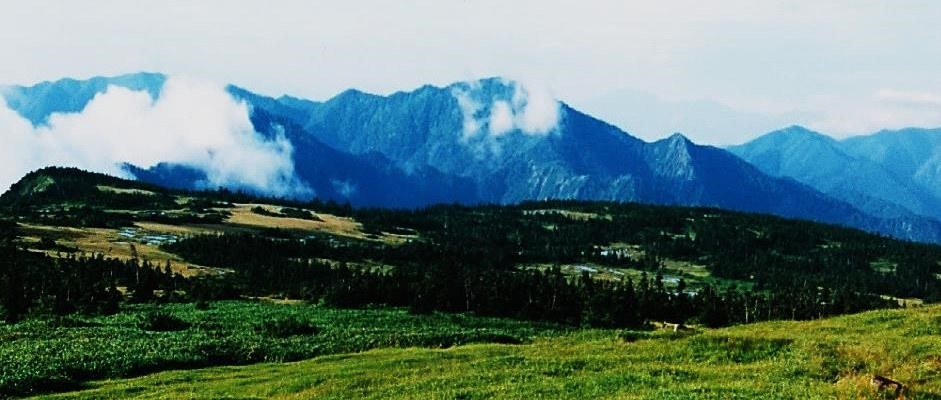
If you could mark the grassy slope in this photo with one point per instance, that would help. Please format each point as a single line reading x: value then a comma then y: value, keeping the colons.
x: 832, y: 358
x: 42, y: 355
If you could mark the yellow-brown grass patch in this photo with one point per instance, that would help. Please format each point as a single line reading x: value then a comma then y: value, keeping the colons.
x: 110, y: 189
x: 243, y: 216
x: 109, y: 243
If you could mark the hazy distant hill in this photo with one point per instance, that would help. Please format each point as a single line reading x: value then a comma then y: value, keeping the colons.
x: 891, y: 173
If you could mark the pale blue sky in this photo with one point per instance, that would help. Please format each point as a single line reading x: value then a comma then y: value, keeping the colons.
x: 842, y: 67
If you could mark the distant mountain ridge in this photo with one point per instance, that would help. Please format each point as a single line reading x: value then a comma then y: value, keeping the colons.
x: 891, y: 173
x: 489, y: 141
x: 36, y: 103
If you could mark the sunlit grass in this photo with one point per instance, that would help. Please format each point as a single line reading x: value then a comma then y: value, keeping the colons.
x: 833, y: 358
x: 56, y: 354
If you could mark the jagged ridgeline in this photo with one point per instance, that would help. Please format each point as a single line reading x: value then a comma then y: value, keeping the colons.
x: 485, y: 141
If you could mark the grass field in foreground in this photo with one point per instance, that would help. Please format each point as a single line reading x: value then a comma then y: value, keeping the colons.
x: 833, y: 358
x: 41, y: 355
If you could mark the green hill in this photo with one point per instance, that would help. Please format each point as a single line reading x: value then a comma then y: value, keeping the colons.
x: 824, y: 359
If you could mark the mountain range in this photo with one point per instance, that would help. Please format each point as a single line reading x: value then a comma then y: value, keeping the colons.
x: 497, y: 141
x: 890, y: 173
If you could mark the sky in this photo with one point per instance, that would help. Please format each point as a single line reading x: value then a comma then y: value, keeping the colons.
x: 721, y: 72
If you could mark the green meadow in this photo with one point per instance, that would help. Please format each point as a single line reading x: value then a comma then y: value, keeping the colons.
x: 56, y: 354
x: 822, y: 359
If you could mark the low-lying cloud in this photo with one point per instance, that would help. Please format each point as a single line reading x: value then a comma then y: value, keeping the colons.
x: 884, y: 109
x: 195, y: 124
x: 515, y: 107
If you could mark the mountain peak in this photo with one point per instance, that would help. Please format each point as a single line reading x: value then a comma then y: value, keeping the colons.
x: 790, y: 136
x: 491, y: 87
x: 676, y: 141
x: 678, y: 137
x: 487, y: 81
x: 799, y: 130
x: 140, y: 77
x: 672, y: 157
x: 352, y: 92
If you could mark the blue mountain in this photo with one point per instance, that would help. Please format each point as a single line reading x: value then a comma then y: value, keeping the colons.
x: 909, y: 153
x: 447, y: 144
x: 582, y: 158
x: 891, y: 173
x: 37, y: 102
x: 367, y: 179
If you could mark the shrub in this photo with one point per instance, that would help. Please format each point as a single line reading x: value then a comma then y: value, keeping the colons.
x: 264, y: 211
x: 161, y: 321
x: 202, y: 304
x: 497, y: 338
x: 301, y: 214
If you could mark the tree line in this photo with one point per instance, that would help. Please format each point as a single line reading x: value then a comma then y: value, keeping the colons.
x: 464, y: 278
x: 32, y: 282
x: 505, y: 261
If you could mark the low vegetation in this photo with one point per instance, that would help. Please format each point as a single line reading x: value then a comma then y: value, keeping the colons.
x: 44, y: 354
x: 824, y: 359
x: 286, y: 212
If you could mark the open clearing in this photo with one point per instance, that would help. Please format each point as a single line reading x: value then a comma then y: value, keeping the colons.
x: 111, y: 189
x: 143, y: 239
x: 111, y: 243
x: 243, y: 216
x: 695, y: 276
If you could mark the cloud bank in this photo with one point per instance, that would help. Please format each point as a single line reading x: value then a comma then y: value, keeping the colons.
x: 195, y: 124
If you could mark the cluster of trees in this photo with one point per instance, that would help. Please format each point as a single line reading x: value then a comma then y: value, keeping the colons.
x: 469, y: 259
x: 56, y: 186
x: 466, y: 277
x: 765, y: 250
x: 286, y: 212
x: 32, y: 282
x: 73, y: 197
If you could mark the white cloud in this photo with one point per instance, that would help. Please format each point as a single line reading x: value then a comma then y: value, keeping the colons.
x: 538, y: 110
x: 469, y: 109
x: 501, y: 118
x: 520, y: 108
x: 191, y: 123
x: 19, y: 146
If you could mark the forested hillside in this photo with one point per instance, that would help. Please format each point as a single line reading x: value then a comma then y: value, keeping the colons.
x: 75, y: 243
x: 593, y: 263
